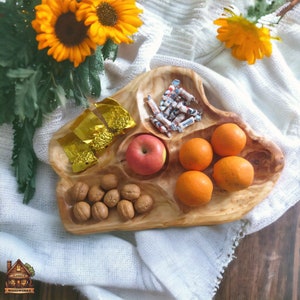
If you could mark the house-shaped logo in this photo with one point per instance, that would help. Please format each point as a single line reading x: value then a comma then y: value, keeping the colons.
x: 18, y: 278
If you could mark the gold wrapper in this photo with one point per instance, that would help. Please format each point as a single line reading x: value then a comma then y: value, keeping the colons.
x: 93, y: 131
x: 115, y: 116
x: 79, y: 153
x: 85, y: 126
x: 101, y: 140
x: 84, y: 160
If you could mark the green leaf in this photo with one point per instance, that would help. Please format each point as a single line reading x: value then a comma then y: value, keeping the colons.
x: 7, y: 95
x: 26, y: 94
x: 262, y: 8
x: 20, y: 73
x: 86, y: 78
x: 95, y: 64
x: 47, y: 102
x: 110, y: 50
x: 24, y: 158
x: 79, y: 97
x: 81, y: 78
x: 59, y: 94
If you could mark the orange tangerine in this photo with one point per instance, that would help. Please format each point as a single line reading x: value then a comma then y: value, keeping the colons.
x: 228, y: 139
x: 233, y: 173
x: 196, y: 154
x: 193, y: 188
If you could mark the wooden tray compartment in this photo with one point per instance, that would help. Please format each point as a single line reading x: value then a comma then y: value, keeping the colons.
x: 265, y: 156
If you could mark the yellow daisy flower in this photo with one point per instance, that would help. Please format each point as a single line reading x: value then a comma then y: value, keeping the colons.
x: 58, y: 29
x: 247, y: 41
x: 110, y: 19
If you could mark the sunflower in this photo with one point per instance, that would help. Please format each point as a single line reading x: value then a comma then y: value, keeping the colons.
x: 247, y: 41
x: 110, y: 19
x: 58, y: 29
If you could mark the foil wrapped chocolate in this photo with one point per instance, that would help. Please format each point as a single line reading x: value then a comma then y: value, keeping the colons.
x: 93, y: 131
x: 79, y: 153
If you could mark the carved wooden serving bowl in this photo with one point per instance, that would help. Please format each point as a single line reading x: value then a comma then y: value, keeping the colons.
x: 265, y: 156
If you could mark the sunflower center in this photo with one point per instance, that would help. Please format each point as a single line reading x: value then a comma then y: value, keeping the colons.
x: 107, y: 15
x: 69, y: 31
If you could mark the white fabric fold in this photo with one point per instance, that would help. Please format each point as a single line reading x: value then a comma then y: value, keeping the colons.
x: 175, y: 263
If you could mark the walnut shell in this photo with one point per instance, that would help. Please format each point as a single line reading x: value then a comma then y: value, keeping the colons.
x: 82, y: 211
x: 130, y: 191
x: 79, y: 191
x: 99, y: 211
x: 143, y: 204
x: 111, y: 198
x: 109, y: 181
x: 125, y: 210
x: 95, y: 193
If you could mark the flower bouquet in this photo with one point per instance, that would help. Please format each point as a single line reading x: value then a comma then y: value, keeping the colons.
x: 51, y: 51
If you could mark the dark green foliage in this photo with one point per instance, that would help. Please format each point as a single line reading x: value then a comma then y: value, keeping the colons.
x: 110, y: 50
x: 33, y: 84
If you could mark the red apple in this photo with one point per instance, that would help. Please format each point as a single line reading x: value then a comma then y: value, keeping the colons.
x: 146, y: 154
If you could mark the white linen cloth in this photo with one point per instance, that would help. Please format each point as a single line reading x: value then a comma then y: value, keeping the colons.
x: 175, y: 263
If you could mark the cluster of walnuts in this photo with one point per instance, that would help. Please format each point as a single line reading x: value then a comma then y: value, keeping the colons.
x: 96, y: 201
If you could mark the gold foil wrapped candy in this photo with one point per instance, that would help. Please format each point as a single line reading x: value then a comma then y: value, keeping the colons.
x: 115, y: 116
x: 79, y: 153
x: 93, y: 131
x: 101, y: 140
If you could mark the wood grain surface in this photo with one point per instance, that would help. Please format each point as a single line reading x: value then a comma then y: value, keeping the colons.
x: 267, y: 266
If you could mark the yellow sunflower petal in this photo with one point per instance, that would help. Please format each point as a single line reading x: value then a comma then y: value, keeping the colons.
x: 54, y: 6
x: 90, y: 20
x: 73, y: 6
x: 62, y: 54
x: 84, y: 11
x: 247, y: 41
x: 118, y: 37
x: 84, y: 49
x: 134, y: 21
x: 52, y: 49
x: 94, y: 29
x: 77, y: 57
x: 126, y: 28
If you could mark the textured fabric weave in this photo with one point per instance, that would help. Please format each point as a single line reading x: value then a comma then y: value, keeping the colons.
x: 173, y: 263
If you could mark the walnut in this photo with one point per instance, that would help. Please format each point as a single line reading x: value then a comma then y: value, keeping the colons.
x: 109, y: 182
x: 82, y: 211
x: 95, y: 193
x: 143, y: 204
x: 99, y: 211
x: 130, y: 191
x: 111, y: 198
x: 79, y: 191
x: 125, y: 210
